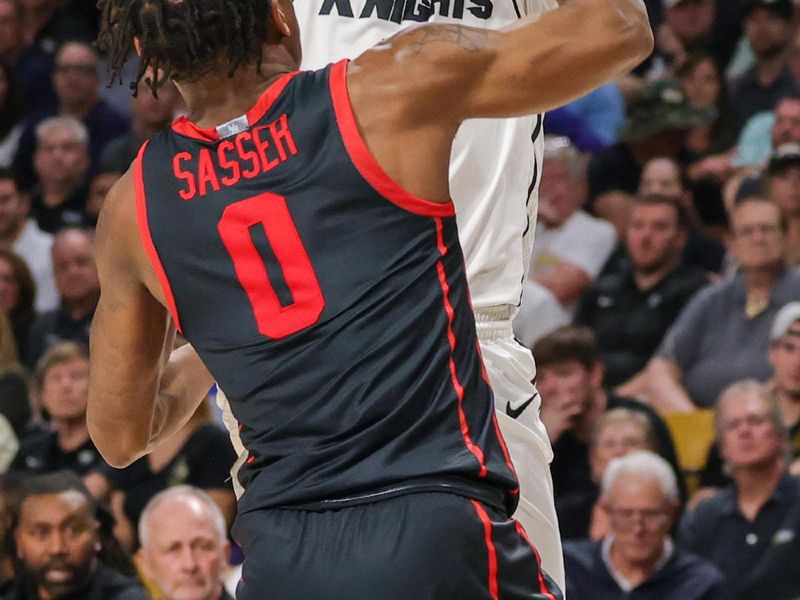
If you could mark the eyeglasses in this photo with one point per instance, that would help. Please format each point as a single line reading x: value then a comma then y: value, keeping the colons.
x: 651, y: 518
x: 754, y: 420
x: 748, y: 230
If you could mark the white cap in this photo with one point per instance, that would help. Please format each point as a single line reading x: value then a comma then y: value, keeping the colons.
x: 784, y: 319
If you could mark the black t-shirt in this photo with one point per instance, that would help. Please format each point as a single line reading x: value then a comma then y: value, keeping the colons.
x: 630, y: 322
x: 106, y: 584
x: 40, y: 453
x: 204, y: 461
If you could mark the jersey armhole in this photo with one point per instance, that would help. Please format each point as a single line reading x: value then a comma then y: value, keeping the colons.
x: 147, y: 240
x: 363, y: 159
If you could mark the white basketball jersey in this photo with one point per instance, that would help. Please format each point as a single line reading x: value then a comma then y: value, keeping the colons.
x: 495, y: 164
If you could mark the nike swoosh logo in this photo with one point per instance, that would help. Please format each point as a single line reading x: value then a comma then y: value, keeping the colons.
x: 514, y: 413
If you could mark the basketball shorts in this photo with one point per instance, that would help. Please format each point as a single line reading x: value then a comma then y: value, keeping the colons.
x: 511, y: 371
x: 421, y: 546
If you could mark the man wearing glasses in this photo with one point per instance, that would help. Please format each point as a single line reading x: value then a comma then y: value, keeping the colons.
x: 750, y: 529
x: 638, y: 559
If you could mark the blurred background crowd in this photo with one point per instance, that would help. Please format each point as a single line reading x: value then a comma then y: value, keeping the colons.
x: 662, y: 307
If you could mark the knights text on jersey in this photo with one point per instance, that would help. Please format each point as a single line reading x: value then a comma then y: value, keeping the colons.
x: 330, y: 304
x: 496, y: 163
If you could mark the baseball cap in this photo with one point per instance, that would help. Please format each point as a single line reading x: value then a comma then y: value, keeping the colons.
x: 783, y: 320
x: 780, y: 8
x: 661, y: 106
x: 786, y: 155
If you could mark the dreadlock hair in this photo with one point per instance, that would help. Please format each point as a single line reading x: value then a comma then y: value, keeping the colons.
x: 182, y: 39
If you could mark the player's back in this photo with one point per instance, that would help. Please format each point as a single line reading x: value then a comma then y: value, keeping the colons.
x: 330, y: 305
x: 496, y: 163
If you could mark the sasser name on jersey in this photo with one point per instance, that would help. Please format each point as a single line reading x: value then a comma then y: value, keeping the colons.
x: 249, y: 154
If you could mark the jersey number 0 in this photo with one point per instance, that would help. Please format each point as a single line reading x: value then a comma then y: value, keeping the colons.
x: 272, y: 213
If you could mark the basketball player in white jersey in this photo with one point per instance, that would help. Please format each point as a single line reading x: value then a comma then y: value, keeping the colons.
x: 494, y: 176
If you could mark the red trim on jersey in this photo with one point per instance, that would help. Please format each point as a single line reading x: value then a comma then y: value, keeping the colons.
x: 542, y: 583
x: 491, y: 551
x: 451, y: 338
x: 147, y: 240
x: 363, y: 159
x: 188, y: 128
x: 506, y: 454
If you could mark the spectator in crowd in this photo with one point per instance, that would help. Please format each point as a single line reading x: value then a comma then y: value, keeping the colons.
x: 77, y: 83
x: 185, y: 545
x: 539, y: 313
x: 769, y: 27
x: 79, y: 290
x: 17, y: 292
x: 590, y: 122
x: 101, y: 184
x: 150, y: 114
x: 10, y: 31
x: 659, y: 116
x: 10, y: 112
x: 36, y: 32
x: 782, y: 185
x: 61, y: 162
x: 615, y: 433
x: 571, y: 246
x: 630, y: 311
x: 766, y: 131
x: 704, y: 84
x: 784, y: 356
x: 59, y: 545
x: 569, y: 379
x: 15, y: 404
x: 722, y: 334
x: 62, y: 382
x: 710, y: 26
x: 749, y: 530
x: 200, y: 454
x: 637, y: 560
x: 21, y: 235
x: 665, y: 177
x: 9, y: 491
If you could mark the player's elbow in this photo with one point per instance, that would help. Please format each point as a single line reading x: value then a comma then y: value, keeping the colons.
x: 118, y: 448
x: 632, y: 35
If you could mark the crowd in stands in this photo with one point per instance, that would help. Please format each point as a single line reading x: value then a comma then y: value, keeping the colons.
x: 664, y: 282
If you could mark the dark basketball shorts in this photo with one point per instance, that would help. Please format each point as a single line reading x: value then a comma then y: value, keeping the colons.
x: 421, y: 546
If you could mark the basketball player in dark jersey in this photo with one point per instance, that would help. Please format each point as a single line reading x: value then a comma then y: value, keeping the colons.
x: 297, y: 229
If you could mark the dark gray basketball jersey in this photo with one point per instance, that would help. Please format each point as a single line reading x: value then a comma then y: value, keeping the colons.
x: 330, y: 304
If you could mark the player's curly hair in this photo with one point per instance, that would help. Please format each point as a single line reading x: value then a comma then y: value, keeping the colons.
x: 182, y: 39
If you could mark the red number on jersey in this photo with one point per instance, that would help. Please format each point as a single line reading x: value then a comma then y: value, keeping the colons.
x: 271, y: 212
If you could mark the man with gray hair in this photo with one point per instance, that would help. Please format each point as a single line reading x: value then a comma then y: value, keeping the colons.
x: 77, y: 84
x: 749, y: 529
x: 784, y: 356
x: 571, y: 246
x: 637, y: 559
x: 61, y: 162
x: 184, y: 545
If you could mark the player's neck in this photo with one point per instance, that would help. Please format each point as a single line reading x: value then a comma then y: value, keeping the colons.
x: 216, y: 98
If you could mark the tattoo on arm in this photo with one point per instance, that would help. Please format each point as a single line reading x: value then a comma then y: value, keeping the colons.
x: 467, y: 38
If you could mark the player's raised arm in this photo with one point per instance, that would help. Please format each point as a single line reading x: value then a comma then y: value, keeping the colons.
x: 533, y: 66
x: 140, y: 391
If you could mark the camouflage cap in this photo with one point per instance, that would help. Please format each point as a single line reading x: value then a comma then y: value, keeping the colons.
x: 662, y: 106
